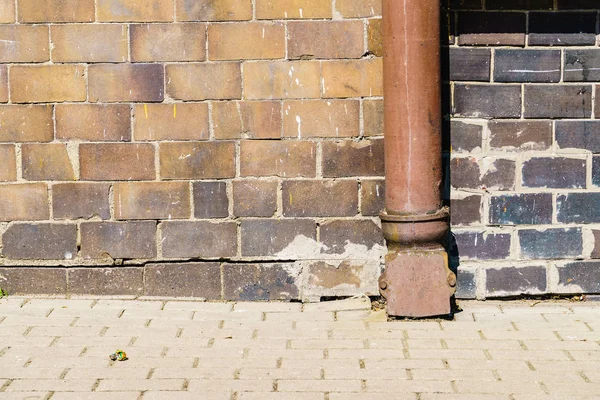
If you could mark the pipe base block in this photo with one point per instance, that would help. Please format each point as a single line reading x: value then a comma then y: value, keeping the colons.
x: 417, y: 282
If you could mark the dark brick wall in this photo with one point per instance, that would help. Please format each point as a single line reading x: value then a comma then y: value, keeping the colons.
x: 522, y: 77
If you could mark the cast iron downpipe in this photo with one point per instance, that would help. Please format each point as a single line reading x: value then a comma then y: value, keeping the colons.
x: 416, y: 281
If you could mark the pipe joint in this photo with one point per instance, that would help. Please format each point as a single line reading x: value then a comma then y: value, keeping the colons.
x: 417, y: 228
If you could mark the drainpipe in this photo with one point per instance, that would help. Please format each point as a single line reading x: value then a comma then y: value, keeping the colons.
x: 416, y: 281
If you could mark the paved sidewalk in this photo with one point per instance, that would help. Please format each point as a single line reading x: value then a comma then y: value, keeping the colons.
x: 58, y: 349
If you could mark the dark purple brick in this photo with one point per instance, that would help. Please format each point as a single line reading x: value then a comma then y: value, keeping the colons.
x: 578, y: 135
x: 464, y: 4
x: 580, y: 208
x: 500, y: 174
x: 487, y: 101
x: 520, y: 135
x: 210, y: 200
x: 596, y: 250
x: 184, y: 280
x: 519, y: 4
x: 596, y: 171
x: 253, y: 282
x: 562, y: 29
x: 550, y: 101
x: 465, y: 211
x: 514, y: 281
x: 491, y: 28
x: 465, y: 137
x: 468, y: 64
x: 466, y: 284
x: 581, y: 276
x: 32, y: 280
x: 199, y: 239
x: 582, y: 65
x: 527, y: 66
x: 521, y: 209
x: 556, y: 173
x: 551, y: 243
x: 465, y: 173
x: 578, y: 4
x: 338, y: 234
x: 40, y: 241
x: 115, y: 281
x: 267, y: 237
x: 482, y: 246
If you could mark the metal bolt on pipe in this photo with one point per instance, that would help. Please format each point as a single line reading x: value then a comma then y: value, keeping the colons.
x: 417, y: 281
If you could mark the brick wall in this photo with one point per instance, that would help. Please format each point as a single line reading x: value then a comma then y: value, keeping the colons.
x: 232, y: 149
x: 214, y: 148
x: 524, y: 139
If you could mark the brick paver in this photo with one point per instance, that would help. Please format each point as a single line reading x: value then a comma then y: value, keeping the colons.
x: 54, y: 348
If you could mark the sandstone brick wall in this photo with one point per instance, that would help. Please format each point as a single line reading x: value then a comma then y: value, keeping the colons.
x: 232, y: 149
x: 525, y: 176
x: 214, y: 148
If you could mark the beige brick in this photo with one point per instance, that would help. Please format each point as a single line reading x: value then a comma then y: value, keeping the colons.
x: 56, y: 10
x: 135, y: 10
x: 286, y: 159
x: 47, y: 83
x: 8, y: 167
x: 280, y: 373
x: 254, y: 198
x: 255, y: 120
x: 211, y: 10
x: 281, y: 80
x: 373, y: 117
x: 24, y: 202
x: 7, y: 11
x: 313, y: 385
x: 131, y: 239
x: 360, y: 78
x: 152, y: 200
x: 279, y: 9
x: 177, y: 121
x: 24, y: 43
x: 323, y: 198
x: 58, y: 385
x: 111, y: 385
x: 48, y: 161
x: 351, y: 158
x: 204, y: 81
x: 111, y: 161
x: 326, y: 39
x: 358, y: 8
x: 80, y: 200
x: 222, y: 385
x: 126, y: 82
x: 93, y: 122
x: 321, y: 118
x: 375, y: 37
x: 246, y: 41
x: 168, y: 42
x: 29, y: 123
x: 89, y: 43
x: 197, y: 160
x: 3, y: 84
